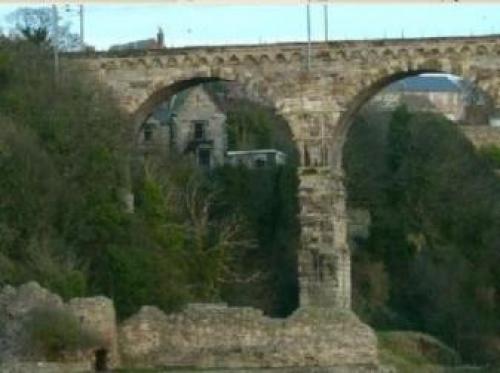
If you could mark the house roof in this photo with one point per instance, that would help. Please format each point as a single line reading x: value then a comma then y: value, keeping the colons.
x: 425, y: 84
x: 165, y: 112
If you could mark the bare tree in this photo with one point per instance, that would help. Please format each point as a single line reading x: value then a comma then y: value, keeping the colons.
x: 217, y: 243
x: 36, y: 25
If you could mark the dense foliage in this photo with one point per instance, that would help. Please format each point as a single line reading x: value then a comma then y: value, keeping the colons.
x: 267, y: 199
x: 431, y: 260
x: 66, y: 166
x: 62, y: 161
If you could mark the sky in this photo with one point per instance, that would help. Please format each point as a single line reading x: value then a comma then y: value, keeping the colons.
x: 186, y: 24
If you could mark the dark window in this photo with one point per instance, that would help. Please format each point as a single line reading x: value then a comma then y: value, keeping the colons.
x: 199, y: 130
x: 148, y: 133
x: 260, y: 163
x: 204, y: 157
x: 101, y: 360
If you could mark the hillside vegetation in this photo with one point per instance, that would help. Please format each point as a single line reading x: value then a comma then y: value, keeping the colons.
x: 431, y: 260
x: 66, y: 165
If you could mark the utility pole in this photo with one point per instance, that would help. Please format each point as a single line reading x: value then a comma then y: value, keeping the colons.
x: 325, y: 13
x: 308, y: 34
x: 55, y: 30
x: 82, y: 43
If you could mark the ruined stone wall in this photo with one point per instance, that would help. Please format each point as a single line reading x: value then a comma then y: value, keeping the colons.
x: 98, y: 315
x: 45, y: 367
x: 218, y: 336
x: 15, y: 305
x: 203, y: 336
x: 95, y: 315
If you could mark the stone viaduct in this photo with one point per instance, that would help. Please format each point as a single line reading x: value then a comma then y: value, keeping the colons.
x: 318, y: 101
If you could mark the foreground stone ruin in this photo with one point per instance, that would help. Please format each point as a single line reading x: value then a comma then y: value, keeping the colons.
x: 201, y: 336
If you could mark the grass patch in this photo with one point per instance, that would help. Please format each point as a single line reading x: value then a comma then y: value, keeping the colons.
x: 412, y: 351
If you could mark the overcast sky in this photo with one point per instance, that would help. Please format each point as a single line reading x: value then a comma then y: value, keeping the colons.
x: 107, y: 24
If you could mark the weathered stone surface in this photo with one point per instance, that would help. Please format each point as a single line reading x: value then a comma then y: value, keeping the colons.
x: 203, y: 336
x: 15, y: 304
x: 86, y: 368
x: 95, y: 314
x: 98, y: 314
x: 45, y: 367
x: 218, y: 336
x: 482, y: 135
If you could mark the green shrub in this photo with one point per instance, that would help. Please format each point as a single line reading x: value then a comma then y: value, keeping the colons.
x: 491, y: 153
x: 55, y: 334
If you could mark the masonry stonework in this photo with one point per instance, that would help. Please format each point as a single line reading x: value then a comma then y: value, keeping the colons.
x: 96, y: 314
x: 317, y: 101
x: 213, y: 335
x: 200, y: 336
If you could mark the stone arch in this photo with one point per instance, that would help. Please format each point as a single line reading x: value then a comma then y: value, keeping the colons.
x: 450, y: 51
x: 157, y: 62
x: 218, y: 61
x: 403, y: 53
x: 481, y: 50
x: 264, y: 59
x: 280, y: 58
x: 233, y: 60
x: 343, y: 118
x: 142, y: 63
x: 128, y: 63
x: 250, y: 60
x: 324, y: 56
x: 388, y: 53
x: 165, y: 91
x: 355, y: 54
x: 109, y: 65
x: 373, y: 55
x: 465, y: 50
x: 434, y: 52
x: 341, y: 54
x: 366, y: 92
x: 187, y: 61
x: 172, y: 62
x: 202, y: 61
x: 297, y: 57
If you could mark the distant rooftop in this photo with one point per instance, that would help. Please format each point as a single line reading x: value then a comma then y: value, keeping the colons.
x: 425, y: 84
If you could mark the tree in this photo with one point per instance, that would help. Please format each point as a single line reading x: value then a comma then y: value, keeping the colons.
x: 36, y: 25
x: 435, y: 222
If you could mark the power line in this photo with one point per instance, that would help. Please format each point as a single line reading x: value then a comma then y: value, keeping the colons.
x: 308, y: 34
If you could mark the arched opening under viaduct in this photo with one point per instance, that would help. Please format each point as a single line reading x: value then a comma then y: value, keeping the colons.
x: 396, y: 82
x: 420, y: 206
x: 230, y: 167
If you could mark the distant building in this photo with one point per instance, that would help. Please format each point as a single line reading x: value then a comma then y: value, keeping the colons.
x: 198, y: 127
x: 260, y: 158
x: 191, y: 124
x: 425, y: 93
x: 144, y: 44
